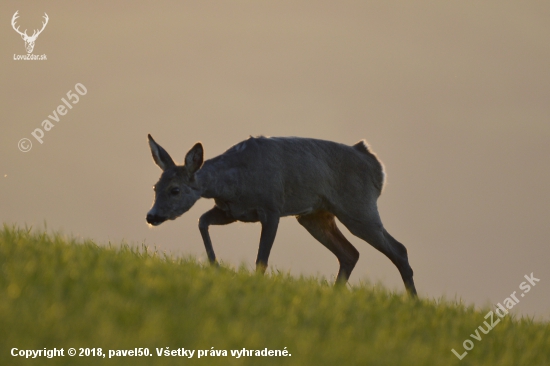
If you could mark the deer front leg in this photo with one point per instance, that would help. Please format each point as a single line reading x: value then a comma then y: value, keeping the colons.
x: 270, y: 223
x: 214, y: 216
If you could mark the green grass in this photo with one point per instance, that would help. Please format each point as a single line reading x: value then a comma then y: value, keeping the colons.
x: 56, y: 292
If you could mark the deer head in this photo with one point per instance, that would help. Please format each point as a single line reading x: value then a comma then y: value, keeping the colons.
x: 29, y: 41
x: 177, y: 190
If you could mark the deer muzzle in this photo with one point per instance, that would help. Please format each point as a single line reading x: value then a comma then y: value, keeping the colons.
x: 155, y: 219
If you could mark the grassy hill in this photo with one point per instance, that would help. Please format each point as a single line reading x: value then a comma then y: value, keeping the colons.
x: 56, y: 292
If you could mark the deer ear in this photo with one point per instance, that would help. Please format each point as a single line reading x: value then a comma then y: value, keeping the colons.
x: 160, y: 156
x: 194, y: 158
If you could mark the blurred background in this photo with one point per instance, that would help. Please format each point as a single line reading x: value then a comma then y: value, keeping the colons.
x: 453, y: 97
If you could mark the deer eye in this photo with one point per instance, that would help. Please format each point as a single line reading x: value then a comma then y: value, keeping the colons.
x: 174, y: 191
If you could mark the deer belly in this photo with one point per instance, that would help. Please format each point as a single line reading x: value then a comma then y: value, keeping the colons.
x: 238, y: 212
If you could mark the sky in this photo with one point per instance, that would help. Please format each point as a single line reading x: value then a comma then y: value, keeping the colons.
x: 453, y: 97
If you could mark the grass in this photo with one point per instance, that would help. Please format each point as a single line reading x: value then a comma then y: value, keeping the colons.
x: 57, y: 292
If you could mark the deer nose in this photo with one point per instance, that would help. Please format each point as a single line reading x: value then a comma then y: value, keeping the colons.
x: 155, y: 219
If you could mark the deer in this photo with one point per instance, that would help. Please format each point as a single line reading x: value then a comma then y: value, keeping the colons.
x: 263, y: 179
x: 29, y: 41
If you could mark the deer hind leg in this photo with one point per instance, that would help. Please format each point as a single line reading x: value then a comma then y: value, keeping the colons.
x: 323, y: 228
x: 373, y: 232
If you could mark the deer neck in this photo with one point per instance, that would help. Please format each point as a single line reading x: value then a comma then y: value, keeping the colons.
x: 209, y: 180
